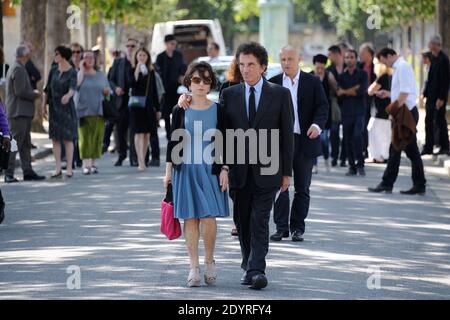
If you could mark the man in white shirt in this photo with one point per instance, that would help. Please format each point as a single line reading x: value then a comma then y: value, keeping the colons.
x: 403, y: 90
x: 310, y: 109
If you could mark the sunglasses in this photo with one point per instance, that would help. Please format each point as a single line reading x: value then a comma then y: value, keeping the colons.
x: 131, y: 46
x: 198, y: 80
x: 76, y: 51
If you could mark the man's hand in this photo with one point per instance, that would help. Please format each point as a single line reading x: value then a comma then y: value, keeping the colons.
x: 184, y: 101
x: 383, y: 94
x: 439, y: 103
x: 223, y: 178
x: 313, y: 132
x: 119, y: 91
x: 285, y: 183
x: 6, y: 144
x: 158, y: 115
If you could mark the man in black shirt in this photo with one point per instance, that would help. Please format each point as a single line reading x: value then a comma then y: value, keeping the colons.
x: 436, y: 92
x: 353, y: 90
x: 171, y: 67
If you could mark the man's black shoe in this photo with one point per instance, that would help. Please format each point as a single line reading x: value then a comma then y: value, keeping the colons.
x: 134, y: 164
x: 33, y: 146
x: 244, y: 280
x: 10, y: 179
x: 2, y: 212
x: 258, y: 282
x: 33, y: 177
x: 351, y: 172
x: 343, y: 164
x: 413, y: 191
x: 118, y: 163
x: 334, y: 162
x: 362, y: 172
x: 380, y: 188
x: 277, y: 236
x: 426, y: 151
x: 444, y: 152
x: 154, y: 163
x: 297, y: 236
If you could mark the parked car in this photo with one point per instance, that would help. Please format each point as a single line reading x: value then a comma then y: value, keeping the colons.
x: 220, y: 69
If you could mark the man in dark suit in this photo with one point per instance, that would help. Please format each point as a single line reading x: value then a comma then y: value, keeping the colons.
x: 254, y: 106
x: 171, y: 67
x: 120, y: 79
x: 436, y: 92
x: 310, y: 109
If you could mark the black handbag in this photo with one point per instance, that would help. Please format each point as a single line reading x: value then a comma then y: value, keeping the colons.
x: 4, y: 155
x: 110, y: 112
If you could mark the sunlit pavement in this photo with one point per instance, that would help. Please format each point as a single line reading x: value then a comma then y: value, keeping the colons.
x: 357, y: 245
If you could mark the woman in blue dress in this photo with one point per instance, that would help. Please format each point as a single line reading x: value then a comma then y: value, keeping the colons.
x: 200, y: 179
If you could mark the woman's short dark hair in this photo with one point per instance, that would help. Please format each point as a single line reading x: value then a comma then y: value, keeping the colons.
x: 202, y: 68
x: 255, y: 49
x: 64, y: 51
x: 385, y: 52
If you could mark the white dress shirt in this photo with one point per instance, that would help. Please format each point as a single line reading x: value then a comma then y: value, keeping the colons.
x: 404, y: 81
x: 292, y: 85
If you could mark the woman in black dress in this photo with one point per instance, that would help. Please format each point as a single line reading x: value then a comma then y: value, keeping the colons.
x: 144, y: 104
x: 63, y: 122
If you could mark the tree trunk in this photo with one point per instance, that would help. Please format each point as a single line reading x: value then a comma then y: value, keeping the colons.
x: 444, y: 24
x: 57, y: 31
x: 86, y: 24
x: 1, y: 24
x: 95, y: 33
x: 32, y: 29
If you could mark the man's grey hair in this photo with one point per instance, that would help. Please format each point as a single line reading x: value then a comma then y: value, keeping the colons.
x: 436, y: 39
x: 289, y: 48
x: 22, y: 51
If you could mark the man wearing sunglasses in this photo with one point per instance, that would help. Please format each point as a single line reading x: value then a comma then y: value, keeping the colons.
x: 120, y: 79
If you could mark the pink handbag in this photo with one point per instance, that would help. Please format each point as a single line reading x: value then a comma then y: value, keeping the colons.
x: 169, y: 225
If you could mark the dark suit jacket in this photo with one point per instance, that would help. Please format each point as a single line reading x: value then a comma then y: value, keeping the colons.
x: 274, y: 112
x: 313, y: 107
x: 119, y: 77
x: 438, y: 79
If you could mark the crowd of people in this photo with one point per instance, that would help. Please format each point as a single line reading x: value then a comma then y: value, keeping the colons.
x: 343, y: 110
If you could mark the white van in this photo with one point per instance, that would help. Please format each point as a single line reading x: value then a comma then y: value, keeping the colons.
x: 193, y: 37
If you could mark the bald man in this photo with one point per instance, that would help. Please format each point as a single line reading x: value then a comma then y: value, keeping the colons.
x: 310, y: 108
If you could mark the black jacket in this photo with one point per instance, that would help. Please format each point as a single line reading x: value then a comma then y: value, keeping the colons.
x: 313, y: 107
x: 120, y: 76
x: 274, y: 112
x: 438, y: 79
x: 178, y: 123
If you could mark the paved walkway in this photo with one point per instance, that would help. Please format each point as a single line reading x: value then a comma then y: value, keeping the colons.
x: 108, y: 226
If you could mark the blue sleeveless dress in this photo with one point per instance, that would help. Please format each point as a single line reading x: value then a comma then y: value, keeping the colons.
x: 196, y: 191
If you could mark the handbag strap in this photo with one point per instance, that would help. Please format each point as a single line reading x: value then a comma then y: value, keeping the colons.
x: 169, y: 194
x: 148, y: 84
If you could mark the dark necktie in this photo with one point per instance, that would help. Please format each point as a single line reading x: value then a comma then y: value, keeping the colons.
x: 251, y: 106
